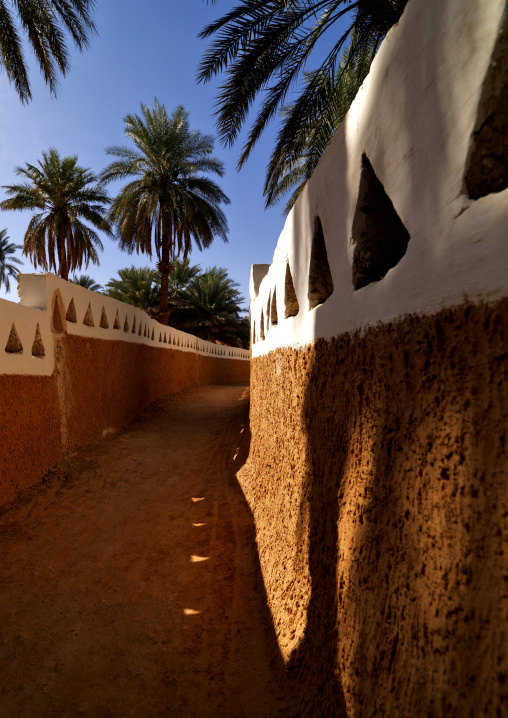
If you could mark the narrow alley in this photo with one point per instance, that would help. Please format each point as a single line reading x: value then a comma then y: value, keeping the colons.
x: 130, y: 580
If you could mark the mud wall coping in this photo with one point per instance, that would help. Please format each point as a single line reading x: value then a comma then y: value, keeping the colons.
x: 50, y: 306
x: 413, y: 123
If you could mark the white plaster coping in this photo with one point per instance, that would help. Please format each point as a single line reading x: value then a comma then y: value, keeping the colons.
x: 414, y: 118
x: 38, y: 292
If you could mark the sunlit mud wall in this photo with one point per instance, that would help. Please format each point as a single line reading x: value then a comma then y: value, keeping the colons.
x: 378, y: 473
x: 78, y: 365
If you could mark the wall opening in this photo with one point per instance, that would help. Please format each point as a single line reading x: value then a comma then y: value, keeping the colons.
x: 71, y: 312
x: 14, y: 345
x: 487, y: 162
x: 291, y: 305
x: 88, y: 319
x: 262, y: 326
x: 320, y: 277
x: 38, y: 346
x: 104, y: 320
x: 273, y: 315
x: 380, y: 237
x: 57, y: 319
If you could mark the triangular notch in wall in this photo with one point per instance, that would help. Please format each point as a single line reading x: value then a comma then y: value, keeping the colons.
x: 320, y: 277
x: 380, y: 237
x: 290, y: 299
x: 487, y: 162
x: 274, y: 317
x: 14, y: 345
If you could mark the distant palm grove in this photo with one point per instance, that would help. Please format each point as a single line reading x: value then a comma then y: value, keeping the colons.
x: 169, y: 206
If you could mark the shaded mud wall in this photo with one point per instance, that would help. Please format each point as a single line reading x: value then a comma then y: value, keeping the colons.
x: 378, y: 481
x: 29, y: 431
x: 225, y: 371
x: 104, y: 384
x: 97, y: 386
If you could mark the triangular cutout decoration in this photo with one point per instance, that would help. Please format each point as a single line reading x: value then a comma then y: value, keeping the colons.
x: 320, y: 277
x: 134, y: 325
x: 254, y: 333
x: 126, y: 324
x: 160, y: 338
x: 379, y: 235
x: 274, y: 316
x: 165, y: 340
x: 88, y: 320
x: 268, y: 306
x: 14, y: 345
x: 140, y: 328
x: 487, y: 162
x: 104, y: 320
x: 71, y: 312
x: 152, y: 334
x: 38, y: 346
x: 291, y: 306
x: 116, y: 324
x: 144, y: 333
x: 262, y: 326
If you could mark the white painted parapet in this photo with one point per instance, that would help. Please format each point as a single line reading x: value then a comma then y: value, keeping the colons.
x: 413, y: 126
x: 50, y: 305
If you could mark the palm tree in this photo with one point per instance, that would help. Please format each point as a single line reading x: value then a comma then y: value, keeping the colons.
x: 7, y: 269
x: 44, y: 22
x: 65, y: 193
x: 297, y: 159
x: 170, y: 203
x: 212, y: 308
x: 135, y: 286
x: 87, y: 282
x: 265, y: 47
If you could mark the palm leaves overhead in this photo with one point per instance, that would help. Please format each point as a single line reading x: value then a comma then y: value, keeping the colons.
x: 7, y: 261
x: 296, y: 159
x: 56, y: 237
x: 44, y: 24
x: 170, y: 204
x: 265, y: 46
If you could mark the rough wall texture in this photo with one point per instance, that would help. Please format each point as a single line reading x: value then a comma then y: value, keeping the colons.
x: 97, y: 386
x: 29, y: 431
x: 378, y: 480
x: 104, y: 384
x: 225, y: 371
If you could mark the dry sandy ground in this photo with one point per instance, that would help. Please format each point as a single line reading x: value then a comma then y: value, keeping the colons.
x: 129, y: 582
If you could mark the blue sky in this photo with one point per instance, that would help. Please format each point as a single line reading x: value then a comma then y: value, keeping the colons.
x: 142, y: 51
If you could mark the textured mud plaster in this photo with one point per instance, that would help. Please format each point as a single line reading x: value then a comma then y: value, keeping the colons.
x: 222, y: 371
x: 29, y: 432
x: 378, y: 481
x: 107, y: 383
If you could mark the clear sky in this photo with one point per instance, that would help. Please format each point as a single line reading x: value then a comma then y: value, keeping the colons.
x: 143, y: 50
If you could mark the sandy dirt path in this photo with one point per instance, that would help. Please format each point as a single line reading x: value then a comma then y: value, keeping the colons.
x: 129, y: 582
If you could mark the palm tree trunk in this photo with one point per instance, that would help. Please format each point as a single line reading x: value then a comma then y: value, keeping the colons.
x: 63, y: 269
x: 164, y: 268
